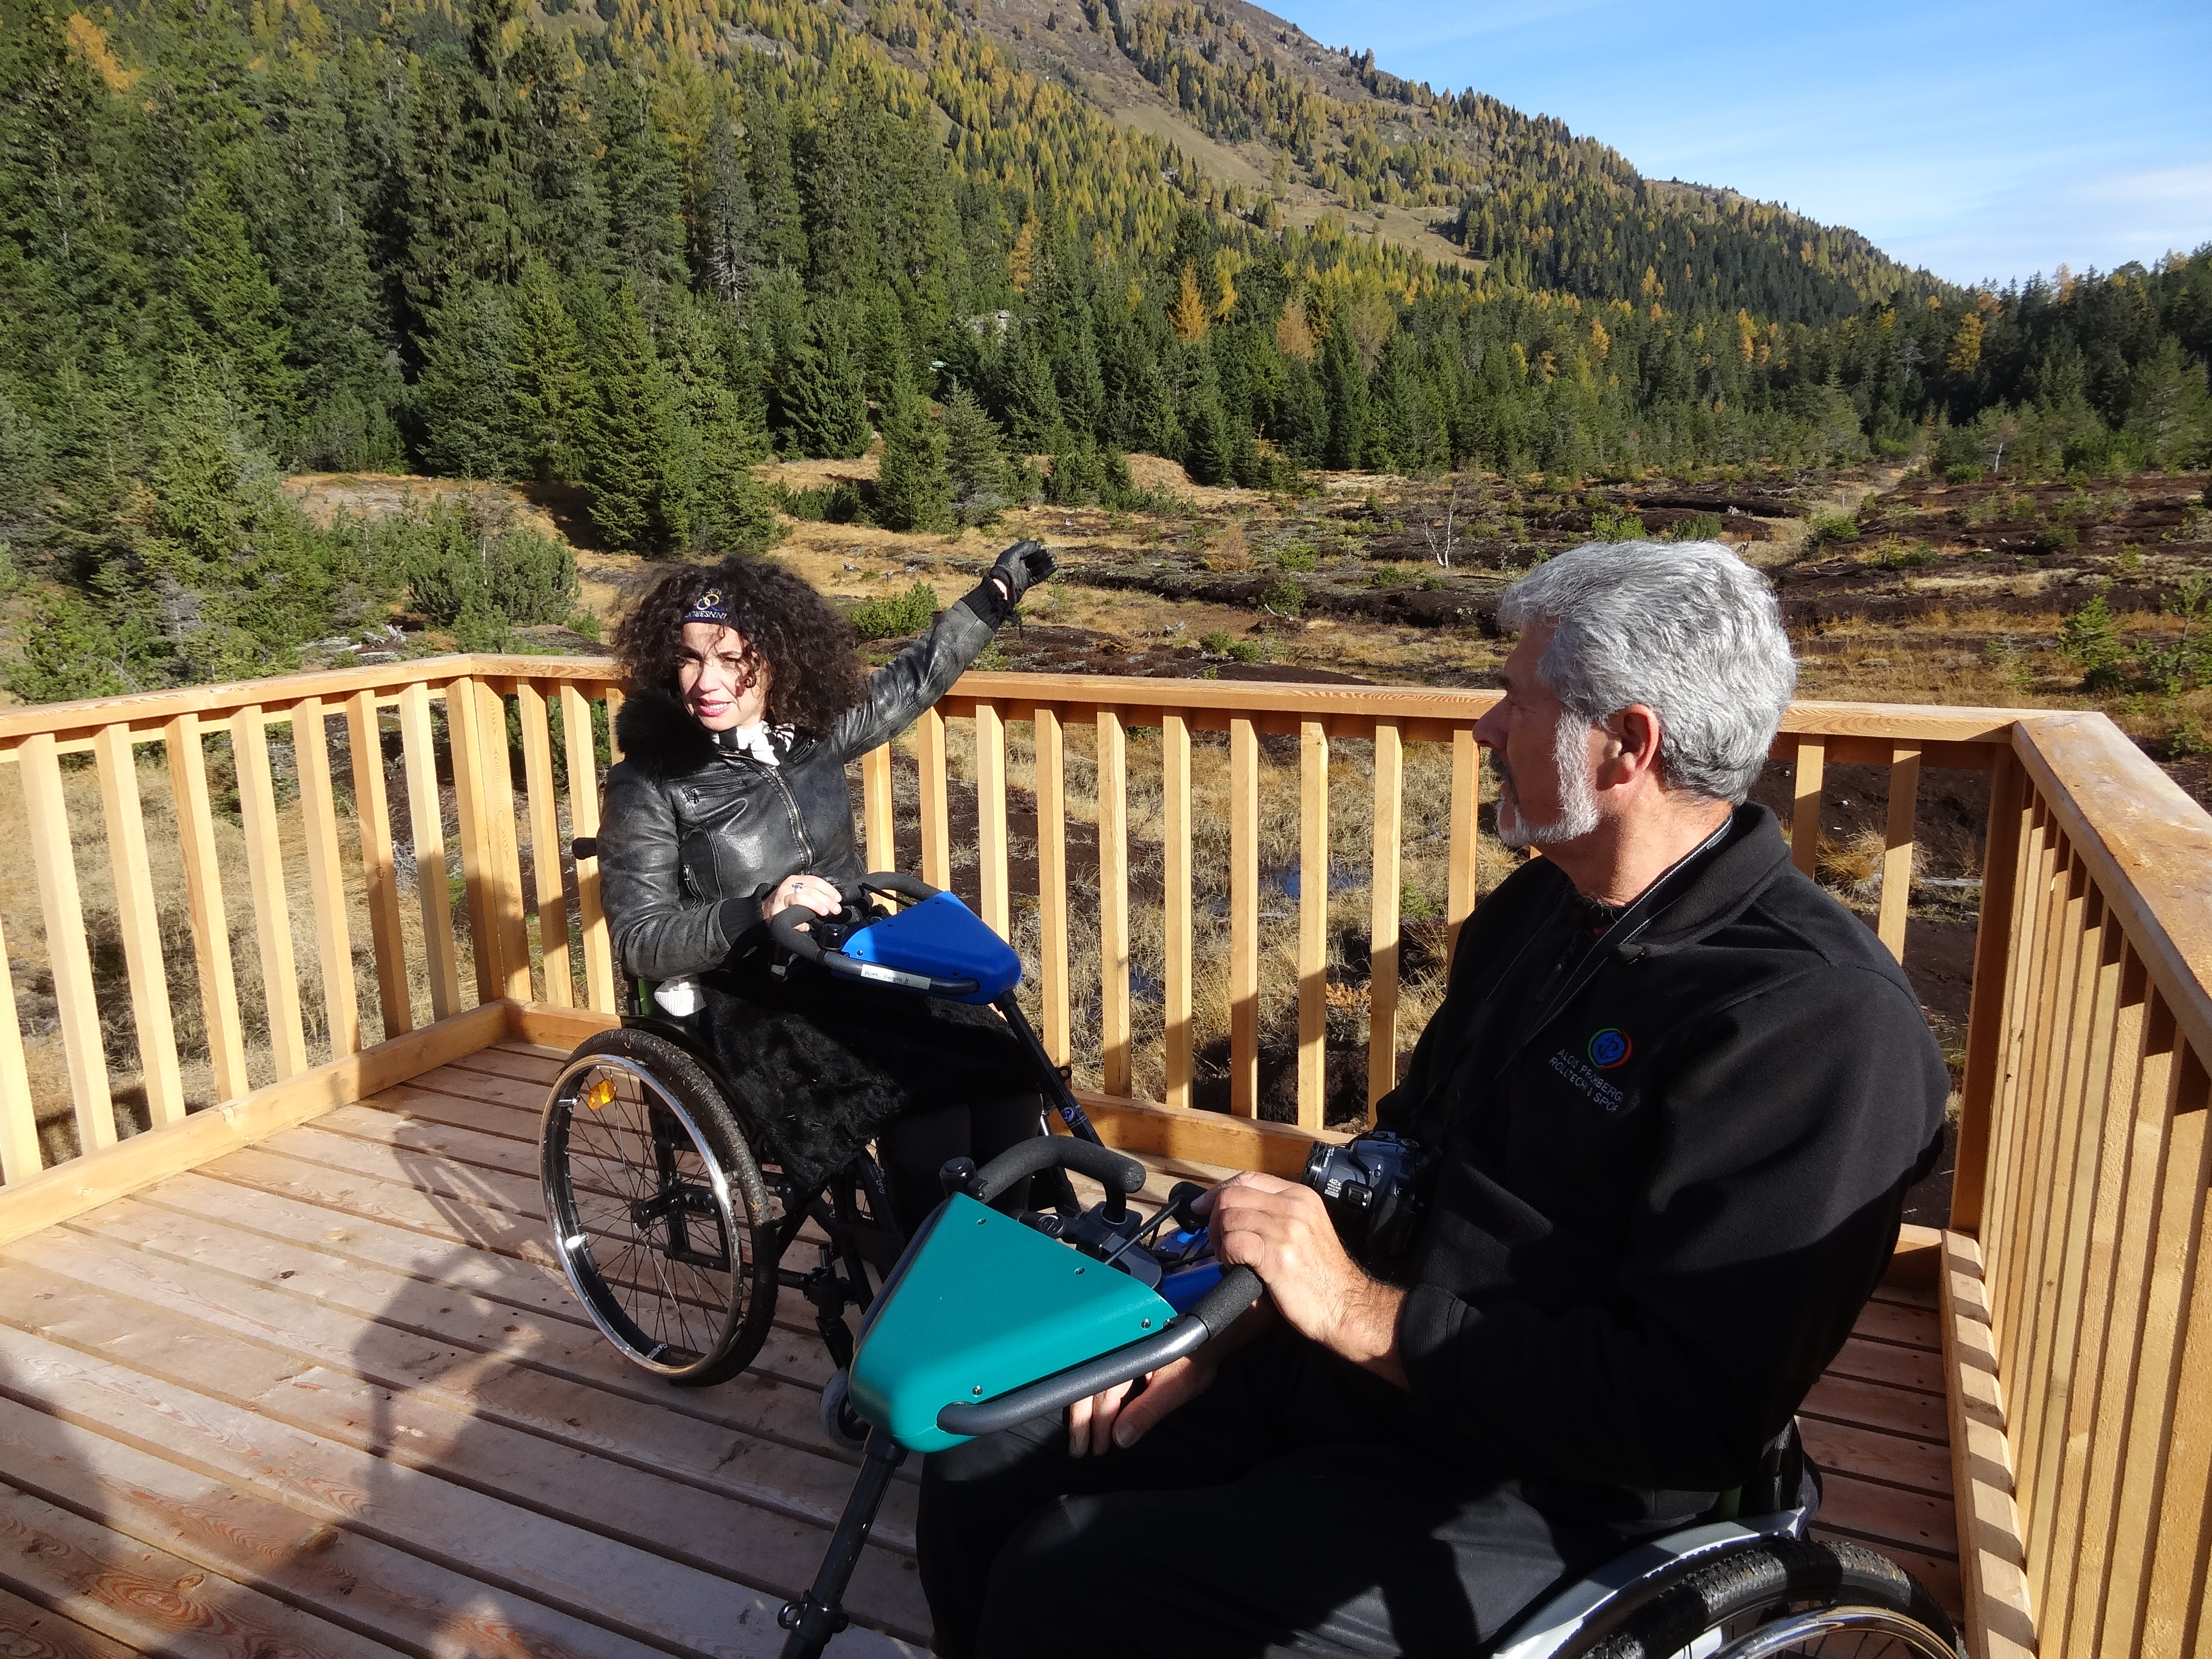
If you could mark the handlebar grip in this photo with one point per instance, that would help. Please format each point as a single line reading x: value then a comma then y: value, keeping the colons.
x: 897, y: 881
x: 786, y: 928
x: 1215, y: 1312
x: 1120, y: 1175
x: 1218, y: 1308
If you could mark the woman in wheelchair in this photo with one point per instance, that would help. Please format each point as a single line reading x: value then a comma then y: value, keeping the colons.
x: 745, y: 700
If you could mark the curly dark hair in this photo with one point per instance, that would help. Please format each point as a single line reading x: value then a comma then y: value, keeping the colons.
x: 806, y: 645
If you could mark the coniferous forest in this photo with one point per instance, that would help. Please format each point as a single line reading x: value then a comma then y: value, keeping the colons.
x: 630, y: 251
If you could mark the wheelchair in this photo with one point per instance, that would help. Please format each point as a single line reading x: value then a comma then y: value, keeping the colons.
x: 674, y: 1227
x: 1748, y: 1581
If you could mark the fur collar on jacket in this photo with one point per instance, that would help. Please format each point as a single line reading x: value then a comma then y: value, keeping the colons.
x: 659, y: 737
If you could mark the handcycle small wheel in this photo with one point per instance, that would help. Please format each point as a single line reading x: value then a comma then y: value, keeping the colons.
x: 841, y: 1424
x: 1816, y: 1597
x: 660, y: 1214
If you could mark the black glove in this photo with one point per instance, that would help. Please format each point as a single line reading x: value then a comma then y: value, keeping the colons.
x: 1021, y: 566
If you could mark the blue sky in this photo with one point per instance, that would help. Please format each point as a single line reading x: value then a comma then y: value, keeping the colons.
x: 1980, y: 141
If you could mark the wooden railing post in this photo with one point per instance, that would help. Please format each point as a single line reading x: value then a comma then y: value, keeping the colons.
x: 992, y: 901
x: 549, y: 897
x: 1052, y: 882
x: 1463, y: 879
x: 1990, y: 1005
x: 141, y: 924
x: 1313, y: 923
x: 77, y: 1004
x: 1113, y: 902
x: 272, y: 908
x: 325, y: 876
x: 1897, y: 853
x: 1244, y: 918
x: 426, y: 828
x: 1177, y: 875
x: 19, y: 1113
x: 935, y: 811
x: 1805, y: 817
x: 879, y: 808
x: 203, y: 900
x: 584, y: 823
x: 1385, y: 929
x: 372, y: 810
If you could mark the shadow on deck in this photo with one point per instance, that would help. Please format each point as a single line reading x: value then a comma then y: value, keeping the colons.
x: 329, y: 1394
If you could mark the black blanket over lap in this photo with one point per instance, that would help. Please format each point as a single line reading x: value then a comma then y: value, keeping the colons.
x: 819, y: 1067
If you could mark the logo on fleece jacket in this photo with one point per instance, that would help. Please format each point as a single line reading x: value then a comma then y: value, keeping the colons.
x: 1606, y: 1051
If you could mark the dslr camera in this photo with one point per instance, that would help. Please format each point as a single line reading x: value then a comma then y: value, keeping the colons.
x: 1374, y: 1187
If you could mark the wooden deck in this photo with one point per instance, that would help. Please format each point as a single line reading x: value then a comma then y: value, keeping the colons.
x: 329, y: 1395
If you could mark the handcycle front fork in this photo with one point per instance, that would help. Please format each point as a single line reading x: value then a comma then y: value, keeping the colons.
x: 813, y: 1620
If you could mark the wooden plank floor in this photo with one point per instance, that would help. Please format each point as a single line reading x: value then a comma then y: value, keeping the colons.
x: 329, y: 1395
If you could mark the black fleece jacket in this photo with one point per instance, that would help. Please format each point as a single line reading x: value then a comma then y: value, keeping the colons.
x: 1657, y: 1214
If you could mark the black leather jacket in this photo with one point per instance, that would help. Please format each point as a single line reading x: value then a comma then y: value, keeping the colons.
x: 693, y: 836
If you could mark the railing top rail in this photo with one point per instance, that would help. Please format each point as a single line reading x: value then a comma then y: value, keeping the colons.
x: 2148, y: 845
x: 1294, y: 699
x: 1905, y: 722
x: 143, y: 709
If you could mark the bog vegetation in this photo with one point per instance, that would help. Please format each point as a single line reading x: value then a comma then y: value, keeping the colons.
x: 627, y: 252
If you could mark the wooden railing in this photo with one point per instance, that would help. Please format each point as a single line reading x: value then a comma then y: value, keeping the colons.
x: 311, y: 886
x: 2079, y: 1295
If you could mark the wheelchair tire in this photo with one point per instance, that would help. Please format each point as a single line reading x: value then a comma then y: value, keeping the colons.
x: 1811, y: 1596
x: 660, y: 1217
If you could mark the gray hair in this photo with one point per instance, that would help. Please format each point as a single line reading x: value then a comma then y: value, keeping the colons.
x: 1685, y: 627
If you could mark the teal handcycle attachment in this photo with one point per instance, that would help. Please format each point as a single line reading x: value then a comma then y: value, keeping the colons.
x: 990, y: 1319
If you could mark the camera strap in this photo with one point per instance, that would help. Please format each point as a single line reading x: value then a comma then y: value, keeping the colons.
x: 1629, y: 925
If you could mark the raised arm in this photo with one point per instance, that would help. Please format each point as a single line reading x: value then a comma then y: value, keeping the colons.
x: 924, y: 671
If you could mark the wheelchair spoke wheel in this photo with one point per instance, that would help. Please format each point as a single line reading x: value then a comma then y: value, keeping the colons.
x: 1807, y: 1598
x: 660, y: 1216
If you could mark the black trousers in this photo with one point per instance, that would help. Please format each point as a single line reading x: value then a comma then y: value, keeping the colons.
x: 914, y: 1148
x: 1293, y: 1507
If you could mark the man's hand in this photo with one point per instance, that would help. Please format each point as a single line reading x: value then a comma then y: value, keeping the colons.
x: 1104, y: 1421
x: 1281, y: 1230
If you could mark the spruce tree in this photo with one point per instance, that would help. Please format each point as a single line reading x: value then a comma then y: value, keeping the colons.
x: 552, y: 388
x: 1344, y: 394
x: 642, y: 184
x: 631, y: 452
x: 783, y: 219
x: 726, y: 225
x: 824, y: 403
x: 463, y: 402
x: 974, y: 458
x: 913, y: 491
x: 235, y: 311
x: 719, y: 437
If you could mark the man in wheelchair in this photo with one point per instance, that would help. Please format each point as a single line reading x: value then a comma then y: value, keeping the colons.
x: 1658, y: 1136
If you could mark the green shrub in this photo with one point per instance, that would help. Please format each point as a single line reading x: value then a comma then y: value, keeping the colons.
x: 897, y: 617
x: 1698, y: 527
x: 1616, y: 525
x: 1216, y: 642
x: 1286, y: 596
x: 2091, y: 640
x: 1296, y: 555
x: 836, y: 503
x: 1827, y: 527
x: 459, y: 579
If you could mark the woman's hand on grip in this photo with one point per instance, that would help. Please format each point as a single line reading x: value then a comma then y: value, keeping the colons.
x: 809, y: 892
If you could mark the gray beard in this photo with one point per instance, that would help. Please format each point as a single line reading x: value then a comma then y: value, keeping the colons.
x: 1579, y: 813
